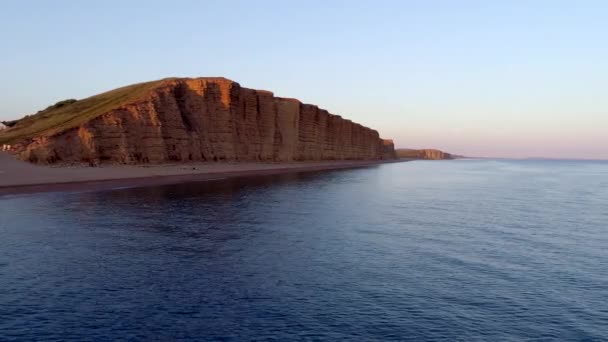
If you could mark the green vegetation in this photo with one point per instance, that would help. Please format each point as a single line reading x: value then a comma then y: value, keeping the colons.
x: 71, y: 113
x: 9, y: 123
x: 59, y: 104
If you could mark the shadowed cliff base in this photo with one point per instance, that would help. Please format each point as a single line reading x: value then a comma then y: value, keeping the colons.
x: 190, y: 120
x: 18, y: 177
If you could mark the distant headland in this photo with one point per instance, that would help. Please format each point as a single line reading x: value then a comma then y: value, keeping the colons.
x: 427, y: 154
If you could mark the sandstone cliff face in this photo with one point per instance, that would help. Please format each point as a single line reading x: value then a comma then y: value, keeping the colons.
x: 210, y: 119
x: 388, y: 149
x: 430, y: 154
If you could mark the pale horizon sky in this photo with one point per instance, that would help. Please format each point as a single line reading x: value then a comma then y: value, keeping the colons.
x: 477, y: 78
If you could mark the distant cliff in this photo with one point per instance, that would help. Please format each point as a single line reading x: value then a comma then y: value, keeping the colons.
x: 430, y: 154
x: 191, y: 119
x: 388, y: 149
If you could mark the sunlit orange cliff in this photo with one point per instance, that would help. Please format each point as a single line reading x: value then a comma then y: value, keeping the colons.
x: 190, y: 119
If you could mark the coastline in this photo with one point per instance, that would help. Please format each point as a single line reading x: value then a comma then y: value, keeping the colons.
x: 17, y: 177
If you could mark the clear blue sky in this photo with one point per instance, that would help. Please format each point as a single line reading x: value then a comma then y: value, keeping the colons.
x: 483, y: 78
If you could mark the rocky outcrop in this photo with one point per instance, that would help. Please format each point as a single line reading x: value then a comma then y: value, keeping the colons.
x: 388, y: 149
x: 429, y: 154
x: 209, y: 119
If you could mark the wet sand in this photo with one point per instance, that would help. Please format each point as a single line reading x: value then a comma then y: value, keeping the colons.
x: 17, y: 177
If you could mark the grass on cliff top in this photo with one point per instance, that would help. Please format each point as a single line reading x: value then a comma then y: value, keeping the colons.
x: 56, y: 119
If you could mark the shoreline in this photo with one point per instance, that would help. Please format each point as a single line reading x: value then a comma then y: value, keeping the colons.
x: 17, y: 177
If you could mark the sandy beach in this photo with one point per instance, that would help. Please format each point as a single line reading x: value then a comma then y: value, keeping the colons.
x: 17, y: 177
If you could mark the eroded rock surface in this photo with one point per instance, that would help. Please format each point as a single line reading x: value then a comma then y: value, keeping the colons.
x: 210, y: 119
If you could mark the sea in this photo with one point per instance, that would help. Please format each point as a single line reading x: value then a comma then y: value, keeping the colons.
x: 462, y: 250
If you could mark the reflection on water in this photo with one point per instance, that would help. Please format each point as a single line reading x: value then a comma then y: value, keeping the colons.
x: 471, y: 250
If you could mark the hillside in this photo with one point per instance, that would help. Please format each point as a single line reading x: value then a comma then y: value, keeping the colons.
x: 190, y: 119
x: 60, y: 118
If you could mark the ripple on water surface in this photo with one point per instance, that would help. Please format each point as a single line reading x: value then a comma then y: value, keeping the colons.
x: 459, y: 250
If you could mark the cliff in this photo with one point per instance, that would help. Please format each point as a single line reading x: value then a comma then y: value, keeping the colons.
x: 430, y: 154
x: 388, y: 149
x: 200, y: 119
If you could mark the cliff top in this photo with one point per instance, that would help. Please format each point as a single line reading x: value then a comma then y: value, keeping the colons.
x: 68, y: 114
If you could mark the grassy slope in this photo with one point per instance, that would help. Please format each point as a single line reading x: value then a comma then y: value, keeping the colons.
x: 53, y: 121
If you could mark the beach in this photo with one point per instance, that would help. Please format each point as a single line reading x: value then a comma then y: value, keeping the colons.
x: 18, y: 177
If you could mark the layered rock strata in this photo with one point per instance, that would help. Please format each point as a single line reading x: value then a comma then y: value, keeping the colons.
x: 209, y: 119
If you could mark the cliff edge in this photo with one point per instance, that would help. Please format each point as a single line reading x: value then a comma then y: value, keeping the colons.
x: 190, y: 119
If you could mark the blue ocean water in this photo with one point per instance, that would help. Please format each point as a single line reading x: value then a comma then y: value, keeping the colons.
x: 465, y: 250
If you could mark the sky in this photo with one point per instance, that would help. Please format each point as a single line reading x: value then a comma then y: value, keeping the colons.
x: 478, y: 78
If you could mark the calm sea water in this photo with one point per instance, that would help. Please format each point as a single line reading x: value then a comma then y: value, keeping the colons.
x: 457, y: 250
